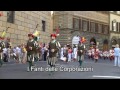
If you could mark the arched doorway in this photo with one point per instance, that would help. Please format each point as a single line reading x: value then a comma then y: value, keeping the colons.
x: 93, y: 41
x: 113, y: 42
x: 105, y: 45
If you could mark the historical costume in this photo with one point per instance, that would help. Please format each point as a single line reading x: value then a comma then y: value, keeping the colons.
x: 53, y: 49
x: 2, y: 45
x: 8, y: 46
x: 80, y: 53
x: 81, y: 50
x: 30, y: 50
x: 37, y: 46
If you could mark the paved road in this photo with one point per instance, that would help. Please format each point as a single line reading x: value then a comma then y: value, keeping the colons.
x: 101, y: 70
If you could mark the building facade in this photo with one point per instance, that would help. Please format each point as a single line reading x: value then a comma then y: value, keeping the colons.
x: 114, y: 27
x: 23, y: 22
x: 93, y: 25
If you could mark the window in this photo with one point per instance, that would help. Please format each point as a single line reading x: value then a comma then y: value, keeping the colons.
x: 80, y: 27
x: 99, y: 28
x: 92, y: 26
x: 119, y: 27
x: 96, y: 27
x: 85, y: 25
x: 75, y: 23
x: 43, y: 25
x: 10, y: 16
x: 105, y: 29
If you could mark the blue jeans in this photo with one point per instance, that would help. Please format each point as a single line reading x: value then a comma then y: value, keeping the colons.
x: 117, y: 61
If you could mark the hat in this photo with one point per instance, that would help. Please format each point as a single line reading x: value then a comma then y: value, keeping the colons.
x: 30, y: 34
x: 53, y: 35
x: 1, y: 38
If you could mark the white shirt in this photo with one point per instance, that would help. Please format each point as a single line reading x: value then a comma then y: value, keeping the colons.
x: 117, y: 51
x: 5, y: 50
x: 42, y: 50
x: 18, y: 50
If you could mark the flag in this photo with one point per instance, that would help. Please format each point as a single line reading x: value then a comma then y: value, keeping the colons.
x: 82, y: 40
x: 3, y: 34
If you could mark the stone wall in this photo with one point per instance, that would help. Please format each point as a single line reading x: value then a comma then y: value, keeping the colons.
x: 25, y: 22
x: 65, y: 18
x: 66, y: 37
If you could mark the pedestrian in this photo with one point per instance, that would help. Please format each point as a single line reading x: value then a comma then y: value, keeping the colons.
x: 111, y: 57
x: 36, y: 57
x: 116, y: 54
x: 45, y: 52
x: 69, y: 54
x: 81, y: 52
x: 100, y: 54
x: 30, y: 50
x: 74, y: 52
x: 96, y: 55
x: 61, y: 53
x: 92, y: 53
x: 42, y: 52
x: 15, y: 55
x: 5, y: 55
x: 19, y: 53
x: 105, y: 54
x: 89, y: 53
x: 65, y: 53
x: 24, y: 53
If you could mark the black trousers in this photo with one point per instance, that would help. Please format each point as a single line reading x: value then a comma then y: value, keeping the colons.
x: 45, y: 55
x: 5, y: 59
x: 66, y: 55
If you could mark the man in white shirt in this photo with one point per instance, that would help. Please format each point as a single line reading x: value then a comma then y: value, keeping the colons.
x: 5, y: 54
x: 117, y: 56
x: 19, y: 53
